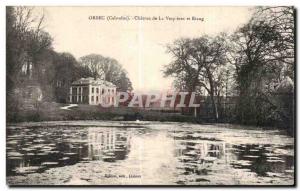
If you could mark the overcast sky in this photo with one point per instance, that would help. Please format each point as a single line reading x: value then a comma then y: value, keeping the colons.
x: 139, y: 46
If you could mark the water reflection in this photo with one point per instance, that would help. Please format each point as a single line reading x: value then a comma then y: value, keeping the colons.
x: 261, y: 160
x: 200, y: 156
x: 181, y: 156
x: 39, y: 151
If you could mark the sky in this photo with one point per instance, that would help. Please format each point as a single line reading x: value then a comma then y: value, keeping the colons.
x: 138, y: 45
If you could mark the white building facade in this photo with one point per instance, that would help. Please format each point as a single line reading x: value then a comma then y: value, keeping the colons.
x: 93, y: 92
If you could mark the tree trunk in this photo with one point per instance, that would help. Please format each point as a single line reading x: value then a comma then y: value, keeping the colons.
x: 212, y: 92
x: 215, y: 108
x: 28, y: 70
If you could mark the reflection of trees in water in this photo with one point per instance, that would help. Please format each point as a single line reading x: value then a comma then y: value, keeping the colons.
x: 262, y: 161
x: 197, y: 157
x: 108, y: 145
x: 201, y: 152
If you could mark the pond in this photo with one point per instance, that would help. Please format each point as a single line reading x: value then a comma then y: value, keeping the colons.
x: 146, y: 153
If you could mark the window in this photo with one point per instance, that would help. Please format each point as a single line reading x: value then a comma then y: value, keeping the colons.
x: 79, y: 98
x: 58, y: 83
x: 102, y: 91
x: 92, y: 98
x: 97, y: 99
x: 92, y: 90
x: 97, y: 90
x: 74, y: 91
x: 85, y: 90
x: 112, y: 91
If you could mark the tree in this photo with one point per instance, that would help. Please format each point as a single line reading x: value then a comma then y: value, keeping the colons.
x: 26, y: 46
x: 94, y: 62
x: 107, y: 69
x: 263, y: 53
x: 199, y: 63
x: 66, y: 70
x: 26, y: 40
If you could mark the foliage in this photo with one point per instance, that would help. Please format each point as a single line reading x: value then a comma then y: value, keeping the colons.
x: 264, y: 60
x: 107, y: 69
x: 33, y: 64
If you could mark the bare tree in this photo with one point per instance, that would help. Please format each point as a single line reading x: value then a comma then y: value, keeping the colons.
x: 198, y: 63
x: 26, y: 40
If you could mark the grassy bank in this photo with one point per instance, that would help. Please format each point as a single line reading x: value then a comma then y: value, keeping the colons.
x: 53, y: 112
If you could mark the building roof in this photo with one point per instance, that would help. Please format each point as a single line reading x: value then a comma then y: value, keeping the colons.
x: 92, y: 81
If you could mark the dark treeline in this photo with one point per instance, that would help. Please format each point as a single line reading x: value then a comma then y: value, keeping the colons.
x: 255, y: 65
x: 36, y: 71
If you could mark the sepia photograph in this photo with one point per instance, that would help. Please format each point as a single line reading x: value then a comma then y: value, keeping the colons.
x: 150, y: 96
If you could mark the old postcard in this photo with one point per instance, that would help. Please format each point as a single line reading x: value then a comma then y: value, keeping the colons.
x: 176, y: 96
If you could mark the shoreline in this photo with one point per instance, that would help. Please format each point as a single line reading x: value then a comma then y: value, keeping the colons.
x: 136, y: 124
x: 53, y: 112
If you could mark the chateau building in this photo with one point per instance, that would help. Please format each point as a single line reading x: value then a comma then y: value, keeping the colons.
x: 93, y: 92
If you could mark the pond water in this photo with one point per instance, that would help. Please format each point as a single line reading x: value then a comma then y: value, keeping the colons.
x: 147, y: 153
